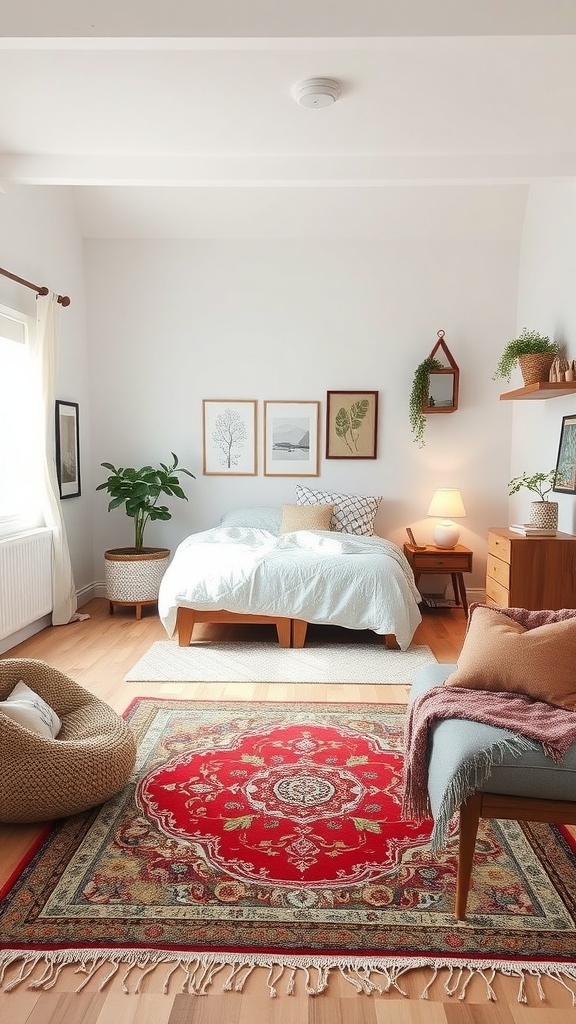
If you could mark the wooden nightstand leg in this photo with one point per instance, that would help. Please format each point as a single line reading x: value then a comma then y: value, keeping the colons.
x: 455, y: 576
x: 463, y: 592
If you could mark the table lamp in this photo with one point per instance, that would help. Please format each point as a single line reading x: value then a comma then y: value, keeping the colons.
x: 447, y: 504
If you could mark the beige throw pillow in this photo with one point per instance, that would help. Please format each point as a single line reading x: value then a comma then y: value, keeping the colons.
x: 306, y: 517
x: 500, y: 654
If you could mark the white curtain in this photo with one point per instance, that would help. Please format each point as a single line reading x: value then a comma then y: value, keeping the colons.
x: 45, y: 348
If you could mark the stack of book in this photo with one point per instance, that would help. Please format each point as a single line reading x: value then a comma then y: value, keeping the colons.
x: 529, y: 530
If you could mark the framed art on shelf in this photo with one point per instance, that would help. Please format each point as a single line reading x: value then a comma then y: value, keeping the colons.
x: 291, y: 438
x: 68, y: 449
x: 351, y: 424
x: 565, y: 476
x: 229, y: 437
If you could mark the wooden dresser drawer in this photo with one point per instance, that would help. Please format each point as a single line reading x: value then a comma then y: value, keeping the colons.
x: 499, y: 546
x: 498, y: 570
x: 496, y: 593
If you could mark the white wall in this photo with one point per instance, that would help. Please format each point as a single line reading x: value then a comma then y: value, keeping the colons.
x: 173, y: 322
x: 546, y: 302
x: 41, y: 243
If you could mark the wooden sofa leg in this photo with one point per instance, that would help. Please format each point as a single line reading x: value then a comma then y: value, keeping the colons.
x: 469, y: 818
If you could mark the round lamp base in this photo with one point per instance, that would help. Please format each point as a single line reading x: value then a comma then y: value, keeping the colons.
x: 446, y: 534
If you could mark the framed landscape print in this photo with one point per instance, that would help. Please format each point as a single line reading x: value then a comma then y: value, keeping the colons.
x: 291, y: 438
x: 565, y: 478
x: 351, y: 424
x: 229, y: 437
x: 68, y: 449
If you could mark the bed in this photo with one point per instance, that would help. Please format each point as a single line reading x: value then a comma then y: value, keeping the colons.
x: 262, y: 572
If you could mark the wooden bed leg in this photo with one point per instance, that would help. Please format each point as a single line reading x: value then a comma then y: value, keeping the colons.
x: 299, y: 628
x: 469, y: 818
x: 390, y: 642
x: 283, y: 629
x: 185, y: 618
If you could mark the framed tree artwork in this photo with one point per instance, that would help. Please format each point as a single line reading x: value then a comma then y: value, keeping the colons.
x: 68, y: 449
x: 291, y: 438
x: 351, y: 424
x: 229, y: 437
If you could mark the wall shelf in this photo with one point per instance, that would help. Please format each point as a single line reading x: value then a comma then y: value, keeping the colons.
x: 544, y: 389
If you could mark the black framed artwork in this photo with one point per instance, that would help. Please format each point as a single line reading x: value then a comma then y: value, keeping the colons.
x: 68, y: 449
x: 565, y: 476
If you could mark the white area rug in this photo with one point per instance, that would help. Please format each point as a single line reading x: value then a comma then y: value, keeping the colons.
x: 264, y: 662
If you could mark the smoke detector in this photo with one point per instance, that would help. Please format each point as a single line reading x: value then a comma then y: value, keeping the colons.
x: 316, y: 92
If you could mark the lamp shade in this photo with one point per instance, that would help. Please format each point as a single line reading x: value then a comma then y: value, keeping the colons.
x: 447, y: 505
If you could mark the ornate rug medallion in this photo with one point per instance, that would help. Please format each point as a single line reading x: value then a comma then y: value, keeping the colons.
x: 271, y: 833
x: 290, y: 806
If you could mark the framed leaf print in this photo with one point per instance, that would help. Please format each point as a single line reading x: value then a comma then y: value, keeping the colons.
x: 351, y: 424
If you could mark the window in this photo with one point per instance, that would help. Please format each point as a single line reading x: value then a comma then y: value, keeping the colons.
x: 21, y: 412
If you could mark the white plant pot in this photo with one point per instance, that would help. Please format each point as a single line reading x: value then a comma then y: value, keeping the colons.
x: 134, y: 578
x: 544, y: 514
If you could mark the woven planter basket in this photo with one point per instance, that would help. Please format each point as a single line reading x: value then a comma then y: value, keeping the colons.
x: 544, y: 514
x: 536, y: 368
x: 134, y: 578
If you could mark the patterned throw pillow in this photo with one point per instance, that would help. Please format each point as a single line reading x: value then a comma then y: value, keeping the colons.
x: 353, y: 513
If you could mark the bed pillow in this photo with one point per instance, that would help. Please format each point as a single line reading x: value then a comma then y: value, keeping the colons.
x: 353, y: 513
x: 27, y: 708
x: 306, y: 517
x: 499, y: 653
x: 257, y: 518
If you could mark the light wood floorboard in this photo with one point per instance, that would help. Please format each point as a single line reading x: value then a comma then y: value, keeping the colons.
x: 98, y: 653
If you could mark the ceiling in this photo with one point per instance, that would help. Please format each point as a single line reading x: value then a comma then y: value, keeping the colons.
x: 189, y: 128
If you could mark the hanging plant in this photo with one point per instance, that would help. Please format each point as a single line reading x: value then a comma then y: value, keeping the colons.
x: 419, y: 397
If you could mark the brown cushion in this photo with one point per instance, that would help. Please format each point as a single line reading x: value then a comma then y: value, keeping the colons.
x: 306, y: 517
x: 499, y: 653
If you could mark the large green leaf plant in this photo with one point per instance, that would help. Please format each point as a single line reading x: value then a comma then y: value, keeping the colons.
x: 139, y: 490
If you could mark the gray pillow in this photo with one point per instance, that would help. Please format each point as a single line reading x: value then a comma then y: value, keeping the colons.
x: 257, y: 518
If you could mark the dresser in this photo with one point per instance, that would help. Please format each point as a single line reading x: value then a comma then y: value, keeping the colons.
x: 530, y: 572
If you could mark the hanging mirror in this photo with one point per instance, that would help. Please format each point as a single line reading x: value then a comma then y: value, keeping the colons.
x: 443, y: 389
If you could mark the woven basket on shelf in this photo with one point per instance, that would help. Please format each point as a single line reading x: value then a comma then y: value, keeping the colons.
x: 536, y: 368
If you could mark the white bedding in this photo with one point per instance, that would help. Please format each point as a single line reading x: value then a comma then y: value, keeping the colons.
x: 323, y: 577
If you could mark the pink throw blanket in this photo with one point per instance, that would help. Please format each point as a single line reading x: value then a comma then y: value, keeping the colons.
x: 553, y: 727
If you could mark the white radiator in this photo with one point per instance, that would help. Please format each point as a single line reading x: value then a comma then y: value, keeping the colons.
x: 25, y: 579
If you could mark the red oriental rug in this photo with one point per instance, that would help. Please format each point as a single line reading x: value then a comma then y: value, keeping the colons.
x: 269, y: 835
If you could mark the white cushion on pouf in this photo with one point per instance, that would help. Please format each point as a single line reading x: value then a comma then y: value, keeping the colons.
x: 29, y: 710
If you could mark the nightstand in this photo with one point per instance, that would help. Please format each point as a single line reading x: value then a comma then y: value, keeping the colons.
x: 530, y: 572
x: 437, y: 561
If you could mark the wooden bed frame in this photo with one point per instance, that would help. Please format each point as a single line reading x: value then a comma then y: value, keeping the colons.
x: 291, y: 632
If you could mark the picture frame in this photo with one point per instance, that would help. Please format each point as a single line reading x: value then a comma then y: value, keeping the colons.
x: 565, y: 474
x: 229, y: 433
x: 68, y: 449
x: 291, y: 438
x: 351, y: 424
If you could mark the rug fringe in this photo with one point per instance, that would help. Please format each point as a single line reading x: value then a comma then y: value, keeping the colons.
x: 367, y: 975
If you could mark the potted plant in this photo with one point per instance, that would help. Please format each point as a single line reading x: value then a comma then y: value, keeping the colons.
x: 543, y: 513
x: 533, y: 352
x: 133, y: 574
x: 419, y: 397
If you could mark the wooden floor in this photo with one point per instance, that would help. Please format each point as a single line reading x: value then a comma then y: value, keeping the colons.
x: 98, y: 653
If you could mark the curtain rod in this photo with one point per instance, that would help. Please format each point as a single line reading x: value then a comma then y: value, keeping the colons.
x: 62, y: 299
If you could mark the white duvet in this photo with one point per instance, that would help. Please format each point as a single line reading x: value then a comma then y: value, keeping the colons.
x: 323, y: 577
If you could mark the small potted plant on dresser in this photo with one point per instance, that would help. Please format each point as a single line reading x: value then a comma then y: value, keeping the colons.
x: 543, y: 513
x: 133, y: 574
